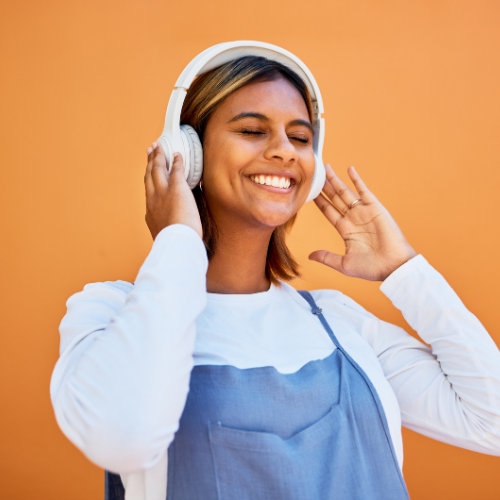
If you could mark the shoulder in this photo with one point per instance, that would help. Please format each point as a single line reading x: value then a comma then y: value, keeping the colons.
x: 107, y: 292
x: 331, y: 300
x: 342, y: 311
x: 334, y: 298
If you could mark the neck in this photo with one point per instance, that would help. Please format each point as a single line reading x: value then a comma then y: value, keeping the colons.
x: 239, y: 263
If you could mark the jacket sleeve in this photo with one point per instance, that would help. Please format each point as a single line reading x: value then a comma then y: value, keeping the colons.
x: 121, y: 382
x: 449, y: 391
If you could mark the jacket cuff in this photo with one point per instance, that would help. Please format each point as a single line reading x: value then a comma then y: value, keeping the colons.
x: 416, y: 265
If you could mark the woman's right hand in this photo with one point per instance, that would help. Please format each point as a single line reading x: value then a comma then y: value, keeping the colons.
x: 169, y: 200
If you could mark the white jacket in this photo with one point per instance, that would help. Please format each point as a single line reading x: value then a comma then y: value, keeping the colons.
x: 120, y: 385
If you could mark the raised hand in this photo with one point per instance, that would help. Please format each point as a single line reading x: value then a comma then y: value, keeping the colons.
x: 169, y: 199
x: 374, y: 244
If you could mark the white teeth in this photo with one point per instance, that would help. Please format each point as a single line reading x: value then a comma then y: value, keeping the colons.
x: 271, y: 180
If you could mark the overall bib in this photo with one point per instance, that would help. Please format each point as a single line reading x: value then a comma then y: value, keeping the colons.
x: 317, y: 434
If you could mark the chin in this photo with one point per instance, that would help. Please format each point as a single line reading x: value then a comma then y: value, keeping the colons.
x: 272, y: 217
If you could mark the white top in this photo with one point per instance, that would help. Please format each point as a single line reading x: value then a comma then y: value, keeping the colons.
x: 120, y: 385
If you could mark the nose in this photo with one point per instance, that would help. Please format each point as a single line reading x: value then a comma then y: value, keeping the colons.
x: 280, y: 148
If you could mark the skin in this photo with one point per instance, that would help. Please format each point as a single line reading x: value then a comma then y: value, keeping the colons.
x: 277, y: 141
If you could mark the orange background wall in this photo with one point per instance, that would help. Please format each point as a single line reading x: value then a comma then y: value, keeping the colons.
x: 412, y: 99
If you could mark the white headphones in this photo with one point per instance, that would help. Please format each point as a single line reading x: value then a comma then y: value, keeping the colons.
x: 185, y: 140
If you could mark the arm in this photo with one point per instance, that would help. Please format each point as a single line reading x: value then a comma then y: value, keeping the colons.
x: 450, y: 391
x: 120, y: 385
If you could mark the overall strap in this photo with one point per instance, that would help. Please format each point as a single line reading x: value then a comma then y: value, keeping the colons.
x: 319, y: 313
x: 113, y: 487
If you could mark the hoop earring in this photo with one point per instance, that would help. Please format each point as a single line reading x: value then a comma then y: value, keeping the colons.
x: 201, y: 185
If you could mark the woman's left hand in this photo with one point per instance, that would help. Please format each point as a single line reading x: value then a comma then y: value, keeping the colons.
x: 374, y: 244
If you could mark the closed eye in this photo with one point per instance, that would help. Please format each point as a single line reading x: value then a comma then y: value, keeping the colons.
x: 254, y: 132
x: 303, y: 140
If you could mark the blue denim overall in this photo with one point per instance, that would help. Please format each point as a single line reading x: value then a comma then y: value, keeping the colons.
x: 317, y: 434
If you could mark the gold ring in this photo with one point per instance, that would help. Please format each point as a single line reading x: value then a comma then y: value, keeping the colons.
x: 355, y: 202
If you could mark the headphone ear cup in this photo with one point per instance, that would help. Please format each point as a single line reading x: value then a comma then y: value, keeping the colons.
x: 195, y: 153
x: 318, y: 180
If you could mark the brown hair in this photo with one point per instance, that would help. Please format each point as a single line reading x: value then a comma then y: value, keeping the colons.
x: 205, y: 95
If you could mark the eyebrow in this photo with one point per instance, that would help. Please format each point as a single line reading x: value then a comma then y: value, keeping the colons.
x: 262, y: 117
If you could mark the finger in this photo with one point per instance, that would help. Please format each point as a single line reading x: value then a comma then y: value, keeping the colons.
x: 363, y: 191
x: 330, y: 259
x: 159, y: 172
x: 148, y: 181
x: 346, y: 194
x: 329, y: 211
x: 334, y: 197
x: 177, y: 172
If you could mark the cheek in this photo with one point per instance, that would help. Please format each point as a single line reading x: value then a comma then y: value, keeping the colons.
x: 224, y: 158
x: 308, y: 163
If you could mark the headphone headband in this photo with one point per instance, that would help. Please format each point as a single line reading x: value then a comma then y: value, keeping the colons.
x: 223, y: 53
x: 172, y: 138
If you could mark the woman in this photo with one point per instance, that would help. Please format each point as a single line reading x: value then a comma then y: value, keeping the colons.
x: 270, y: 393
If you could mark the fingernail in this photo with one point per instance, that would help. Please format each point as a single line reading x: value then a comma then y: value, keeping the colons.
x: 148, y: 151
x: 154, y: 145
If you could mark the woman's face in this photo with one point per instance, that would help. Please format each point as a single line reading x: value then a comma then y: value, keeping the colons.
x: 260, y: 135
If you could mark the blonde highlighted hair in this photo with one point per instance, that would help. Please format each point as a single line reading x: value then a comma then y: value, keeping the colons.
x: 205, y: 95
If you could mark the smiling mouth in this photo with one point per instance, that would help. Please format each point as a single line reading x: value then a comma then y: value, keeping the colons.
x: 272, y: 180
